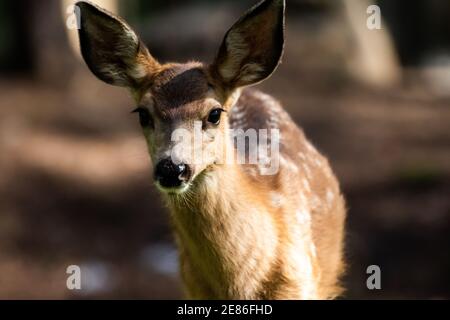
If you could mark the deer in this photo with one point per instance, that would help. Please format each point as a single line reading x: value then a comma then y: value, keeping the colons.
x: 241, y: 233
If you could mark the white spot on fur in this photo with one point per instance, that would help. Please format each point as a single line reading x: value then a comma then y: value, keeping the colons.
x: 307, y: 171
x: 330, y: 197
x: 288, y: 164
x: 238, y: 117
x: 306, y: 185
x: 304, y: 203
x: 304, y: 217
x: 318, y: 162
x: 276, y: 199
x: 315, y: 202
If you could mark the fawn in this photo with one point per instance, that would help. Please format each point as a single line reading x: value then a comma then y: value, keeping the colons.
x: 241, y: 233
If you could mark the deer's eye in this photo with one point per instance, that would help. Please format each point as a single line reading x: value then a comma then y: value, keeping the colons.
x: 144, y: 117
x: 214, y: 116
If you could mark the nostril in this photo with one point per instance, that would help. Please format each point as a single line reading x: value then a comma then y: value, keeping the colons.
x: 185, y: 172
x: 181, y: 168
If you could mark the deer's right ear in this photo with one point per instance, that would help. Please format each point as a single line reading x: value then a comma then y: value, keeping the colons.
x: 111, y: 49
x: 253, y: 47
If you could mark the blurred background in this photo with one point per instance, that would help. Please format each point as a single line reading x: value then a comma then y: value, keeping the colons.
x: 75, y: 182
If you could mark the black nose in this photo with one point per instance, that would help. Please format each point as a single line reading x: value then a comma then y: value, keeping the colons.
x: 171, y: 175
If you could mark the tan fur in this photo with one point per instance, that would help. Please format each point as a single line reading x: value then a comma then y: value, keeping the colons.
x: 241, y: 234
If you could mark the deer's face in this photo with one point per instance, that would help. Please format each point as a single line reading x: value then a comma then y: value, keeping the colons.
x: 183, y: 107
x: 183, y: 118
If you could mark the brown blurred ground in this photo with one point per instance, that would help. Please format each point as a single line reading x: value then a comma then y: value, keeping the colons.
x: 75, y: 183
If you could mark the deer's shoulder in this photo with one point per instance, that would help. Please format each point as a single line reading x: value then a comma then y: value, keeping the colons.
x: 258, y: 110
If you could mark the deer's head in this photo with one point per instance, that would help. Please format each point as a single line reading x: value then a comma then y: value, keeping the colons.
x: 177, y: 102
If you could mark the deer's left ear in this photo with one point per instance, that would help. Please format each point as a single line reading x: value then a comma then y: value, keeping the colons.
x: 253, y: 47
x: 111, y: 49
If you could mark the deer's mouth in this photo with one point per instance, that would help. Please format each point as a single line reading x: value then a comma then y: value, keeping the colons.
x: 173, y: 190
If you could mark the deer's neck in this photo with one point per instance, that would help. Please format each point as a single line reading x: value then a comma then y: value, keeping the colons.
x: 225, y: 233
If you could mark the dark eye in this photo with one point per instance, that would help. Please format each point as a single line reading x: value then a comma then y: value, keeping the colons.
x: 144, y: 117
x: 214, y: 116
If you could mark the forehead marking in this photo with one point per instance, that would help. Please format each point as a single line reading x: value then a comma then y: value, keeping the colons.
x: 178, y: 86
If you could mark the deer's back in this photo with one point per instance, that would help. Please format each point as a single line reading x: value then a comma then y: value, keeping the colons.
x: 303, y: 194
